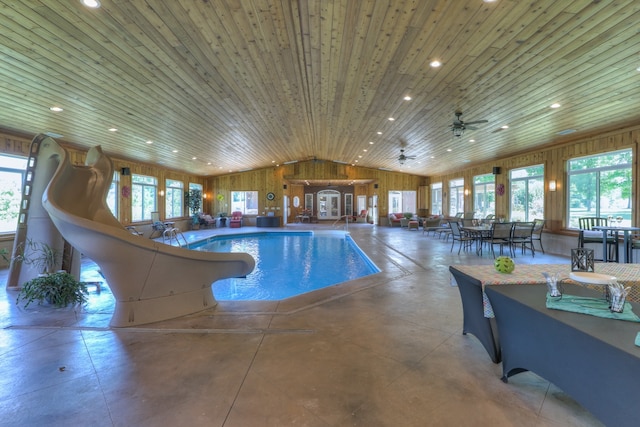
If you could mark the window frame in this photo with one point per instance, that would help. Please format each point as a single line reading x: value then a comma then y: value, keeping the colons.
x: 535, y: 181
x: 484, y: 190
x: 9, y: 169
x: 407, y: 201
x: 613, y: 166
x: 436, y: 198
x: 240, y: 200
x: 456, y: 186
x: 173, y: 193
x: 144, y: 188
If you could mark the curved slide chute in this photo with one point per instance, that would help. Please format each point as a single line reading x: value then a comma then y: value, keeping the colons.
x: 150, y: 281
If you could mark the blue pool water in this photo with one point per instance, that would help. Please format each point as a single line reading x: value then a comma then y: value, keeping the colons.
x: 289, y: 264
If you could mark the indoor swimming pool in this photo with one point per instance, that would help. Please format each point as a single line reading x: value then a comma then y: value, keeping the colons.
x: 289, y: 263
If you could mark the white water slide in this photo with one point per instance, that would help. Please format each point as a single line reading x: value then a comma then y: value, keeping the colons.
x: 150, y: 281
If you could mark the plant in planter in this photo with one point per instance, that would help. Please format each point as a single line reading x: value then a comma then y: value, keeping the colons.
x: 59, y: 289
x: 407, y: 215
x: 193, y: 200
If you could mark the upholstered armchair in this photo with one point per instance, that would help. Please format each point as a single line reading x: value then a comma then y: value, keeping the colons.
x: 236, y: 220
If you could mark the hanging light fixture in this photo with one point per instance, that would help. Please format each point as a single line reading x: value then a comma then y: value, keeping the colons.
x: 458, y: 131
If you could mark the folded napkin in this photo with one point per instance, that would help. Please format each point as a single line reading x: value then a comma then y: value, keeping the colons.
x: 593, y: 306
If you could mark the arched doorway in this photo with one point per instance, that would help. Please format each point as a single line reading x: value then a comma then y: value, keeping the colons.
x: 328, y: 204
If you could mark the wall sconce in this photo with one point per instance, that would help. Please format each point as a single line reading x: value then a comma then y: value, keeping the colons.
x: 161, y: 193
x: 204, y: 195
x: 552, y: 185
x: 466, y: 191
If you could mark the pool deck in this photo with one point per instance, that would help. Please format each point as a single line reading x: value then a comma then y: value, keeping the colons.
x: 384, y: 350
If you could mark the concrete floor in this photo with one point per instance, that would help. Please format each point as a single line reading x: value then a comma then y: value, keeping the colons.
x: 385, y: 350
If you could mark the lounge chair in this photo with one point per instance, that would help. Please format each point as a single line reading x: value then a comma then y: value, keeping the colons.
x: 236, y: 220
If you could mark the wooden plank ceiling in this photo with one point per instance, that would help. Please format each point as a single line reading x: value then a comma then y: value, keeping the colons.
x: 239, y: 84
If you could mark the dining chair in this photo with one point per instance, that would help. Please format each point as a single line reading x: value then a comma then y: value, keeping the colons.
x: 459, y: 236
x: 587, y: 235
x: 522, y: 235
x: 501, y: 236
x: 536, y: 235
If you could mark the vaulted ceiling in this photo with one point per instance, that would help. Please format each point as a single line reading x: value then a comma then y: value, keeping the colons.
x: 213, y: 86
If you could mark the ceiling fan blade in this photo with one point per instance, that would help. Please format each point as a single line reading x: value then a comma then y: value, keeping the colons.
x: 476, y: 122
x: 470, y: 127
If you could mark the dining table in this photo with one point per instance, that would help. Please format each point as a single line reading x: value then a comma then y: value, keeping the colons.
x: 480, y: 233
x: 627, y: 247
x: 478, y: 314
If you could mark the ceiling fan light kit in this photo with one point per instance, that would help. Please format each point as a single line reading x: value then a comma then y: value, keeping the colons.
x: 458, y: 127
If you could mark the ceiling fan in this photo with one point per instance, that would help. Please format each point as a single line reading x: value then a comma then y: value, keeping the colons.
x: 403, y: 158
x: 458, y: 127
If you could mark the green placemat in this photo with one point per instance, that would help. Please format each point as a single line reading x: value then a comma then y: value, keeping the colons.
x: 593, y: 306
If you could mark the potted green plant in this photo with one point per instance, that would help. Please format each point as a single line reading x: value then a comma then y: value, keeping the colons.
x: 57, y: 288
x: 193, y: 202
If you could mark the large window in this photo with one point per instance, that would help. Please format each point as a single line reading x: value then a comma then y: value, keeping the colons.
x: 402, y: 201
x: 600, y: 186
x: 143, y: 197
x: 11, y: 177
x: 174, y: 198
x: 456, y: 196
x: 484, y: 195
x: 112, y: 196
x: 245, y: 202
x: 436, y: 198
x: 527, y: 193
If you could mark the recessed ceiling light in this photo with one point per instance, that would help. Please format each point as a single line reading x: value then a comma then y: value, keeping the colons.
x: 407, y: 98
x: 472, y: 140
x: 505, y: 127
x: 435, y: 63
x: 449, y: 149
x: 365, y: 150
x: 556, y: 105
x: 93, y: 4
x: 174, y: 151
x: 194, y: 158
x: 208, y: 163
x: 149, y: 142
x: 379, y: 133
x: 56, y: 109
x: 370, y: 142
x: 113, y: 129
x: 391, y: 119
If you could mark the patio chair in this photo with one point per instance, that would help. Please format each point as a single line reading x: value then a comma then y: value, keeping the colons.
x: 362, y: 218
x: 587, y: 235
x: 536, y: 234
x: 206, y: 220
x: 501, y: 236
x: 460, y: 236
x: 522, y: 236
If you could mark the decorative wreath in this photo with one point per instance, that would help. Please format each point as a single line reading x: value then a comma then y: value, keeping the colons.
x: 126, y: 191
x: 500, y: 189
x: 220, y: 197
